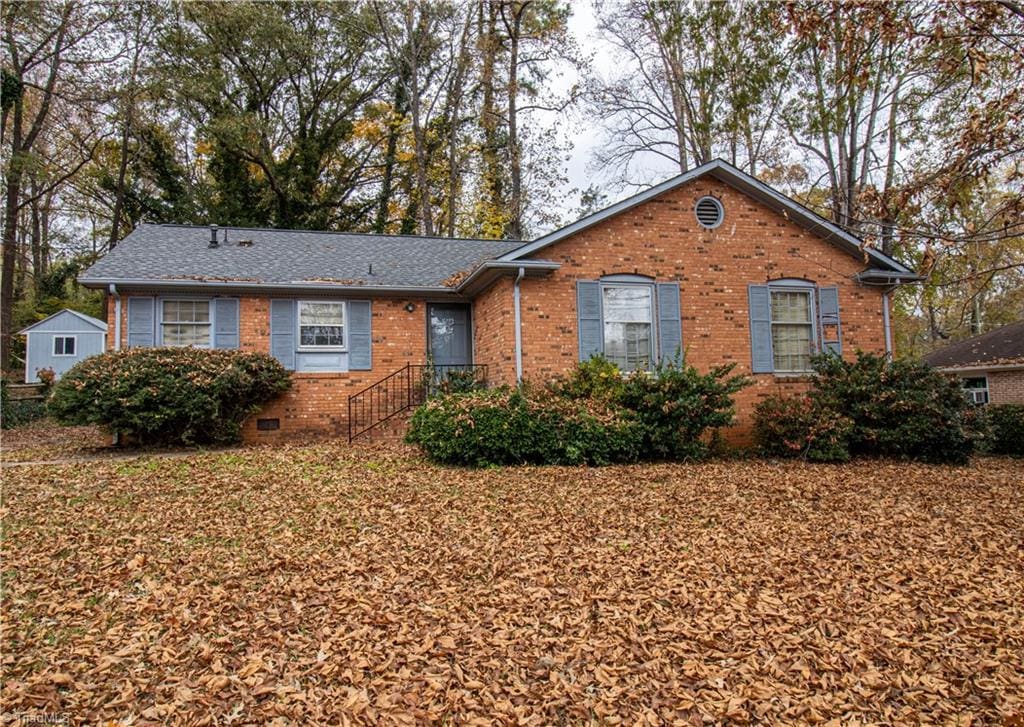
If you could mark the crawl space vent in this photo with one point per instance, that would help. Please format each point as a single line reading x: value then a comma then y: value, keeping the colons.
x: 709, y: 212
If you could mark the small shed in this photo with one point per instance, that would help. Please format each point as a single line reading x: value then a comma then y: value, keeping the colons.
x: 60, y: 341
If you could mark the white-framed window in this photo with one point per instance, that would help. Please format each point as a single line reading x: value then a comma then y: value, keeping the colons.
x: 792, y: 321
x: 185, y: 323
x: 321, y: 324
x: 976, y: 388
x: 64, y: 345
x: 628, y: 315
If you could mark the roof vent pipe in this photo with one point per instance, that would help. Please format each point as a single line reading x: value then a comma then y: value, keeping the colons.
x: 213, y: 236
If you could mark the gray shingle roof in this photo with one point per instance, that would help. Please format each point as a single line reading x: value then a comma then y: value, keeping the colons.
x: 162, y: 253
x: 999, y: 347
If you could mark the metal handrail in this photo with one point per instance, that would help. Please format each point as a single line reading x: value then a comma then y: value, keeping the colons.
x: 400, y: 391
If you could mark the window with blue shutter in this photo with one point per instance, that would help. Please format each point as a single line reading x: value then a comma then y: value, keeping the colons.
x: 588, y: 314
x: 282, y: 331
x: 828, y: 321
x: 225, y: 323
x: 629, y: 319
x: 670, y: 328
x: 360, y: 340
x: 141, y: 322
x: 791, y: 321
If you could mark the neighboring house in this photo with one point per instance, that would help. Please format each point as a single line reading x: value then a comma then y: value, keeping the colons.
x: 712, y: 262
x: 60, y: 341
x: 991, y: 366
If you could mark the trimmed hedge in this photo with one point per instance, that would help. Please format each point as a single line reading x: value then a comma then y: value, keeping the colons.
x: 593, y: 416
x: 169, y: 395
x: 1006, y: 429
x: 899, y: 409
x: 517, y: 426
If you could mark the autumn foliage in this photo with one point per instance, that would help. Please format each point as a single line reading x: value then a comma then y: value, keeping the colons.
x: 169, y: 395
x: 595, y: 415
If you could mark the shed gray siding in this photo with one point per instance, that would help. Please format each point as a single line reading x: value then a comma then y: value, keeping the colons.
x: 89, y: 341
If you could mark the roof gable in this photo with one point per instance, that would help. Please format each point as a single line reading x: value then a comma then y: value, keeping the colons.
x: 66, y: 320
x: 743, y: 182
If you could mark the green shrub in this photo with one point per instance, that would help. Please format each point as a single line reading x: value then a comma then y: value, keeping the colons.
x: 594, y: 415
x: 521, y: 426
x: 800, y: 427
x: 1006, y: 424
x: 900, y: 409
x: 18, y: 412
x: 169, y: 395
x: 676, y: 406
x: 596, y: 378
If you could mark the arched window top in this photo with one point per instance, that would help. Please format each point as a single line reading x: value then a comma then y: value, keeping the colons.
x: 792, y: 283
x: 626, y: 278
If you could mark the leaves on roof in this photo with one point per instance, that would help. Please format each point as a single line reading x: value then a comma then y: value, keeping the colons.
x: 324, y: 585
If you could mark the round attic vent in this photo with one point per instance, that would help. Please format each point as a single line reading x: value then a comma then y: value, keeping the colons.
x: 709, y: 212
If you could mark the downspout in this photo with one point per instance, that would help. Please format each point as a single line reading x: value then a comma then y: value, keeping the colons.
x: 518, y: 324
x: 887, y: 323
x: 117, y: 316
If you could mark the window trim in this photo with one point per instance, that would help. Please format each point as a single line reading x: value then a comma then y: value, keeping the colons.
x: 185, y: 299
x: 65, y: 355
x: 344, y: 327
x: 810, y: 290
x: 620, y: 282
x: 970, y: 392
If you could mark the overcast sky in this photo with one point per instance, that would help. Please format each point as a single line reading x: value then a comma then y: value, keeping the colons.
x: 585, y: 135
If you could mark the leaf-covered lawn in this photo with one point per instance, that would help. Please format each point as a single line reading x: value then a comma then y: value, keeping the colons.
x: 318, y: 585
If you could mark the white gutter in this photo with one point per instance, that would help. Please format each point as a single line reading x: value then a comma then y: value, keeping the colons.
x: 887, y: 324
x: 117, y: 316
x: 518, y: 323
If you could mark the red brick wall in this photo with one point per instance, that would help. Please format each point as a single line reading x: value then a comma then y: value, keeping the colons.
x: 317, y: 404
x: 662, y: 239
x: 1006, y: 387
x: 494, y: 332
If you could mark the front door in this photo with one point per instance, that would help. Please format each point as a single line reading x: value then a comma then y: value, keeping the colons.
x: 450, y: 344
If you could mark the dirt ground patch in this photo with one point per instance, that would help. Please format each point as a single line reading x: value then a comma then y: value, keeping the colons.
x: 324, y: 585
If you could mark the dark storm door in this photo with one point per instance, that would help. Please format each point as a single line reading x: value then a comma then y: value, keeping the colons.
x: 450, y: 343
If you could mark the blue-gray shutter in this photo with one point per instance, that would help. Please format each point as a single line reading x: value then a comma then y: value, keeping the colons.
x: 141, y: 322
x: 588, y: 315
x: 760, y: 329
x: 225, y: 323
x: 670, y: 325
x: 282, y: 332
x: 360, y: 342
x: 828, y: 318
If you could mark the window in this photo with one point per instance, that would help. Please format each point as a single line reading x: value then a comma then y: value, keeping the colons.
x: 321, y: 325
x: 628, y: 332
x: 186, y: 322
x: 976, y: 389
x: 63, y: 345
x: 792, y: 330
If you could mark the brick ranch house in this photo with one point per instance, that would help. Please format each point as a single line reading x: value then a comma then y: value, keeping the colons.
x: 990, y: 366
x: 712, y: 262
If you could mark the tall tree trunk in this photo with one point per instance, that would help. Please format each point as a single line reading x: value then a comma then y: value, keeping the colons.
x: 390, y: 158
x: 494, y: 201
x: 37, y: 237
x: 514, y: 229
x: 415, y: 32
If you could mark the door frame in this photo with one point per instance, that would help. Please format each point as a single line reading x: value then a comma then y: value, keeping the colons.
x: 470, y: 328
